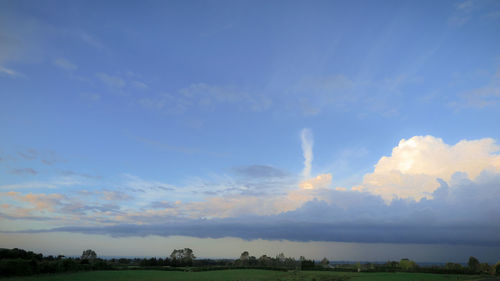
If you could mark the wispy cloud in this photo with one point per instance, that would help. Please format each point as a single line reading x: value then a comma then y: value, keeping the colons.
x: 56, y: 182
x: 28, y: 154
x: 161, y: 205
x: 259, y: 171
x: 23, y: 171
x: 468, y: 10
x: 4, y: 71
x: 462, y: 12
x: 91, y: 40
x: 307, y: 146
x: 138, y: 184
x: 486, y: 96
x: 65, y: 64
x: 46, y: 157
x: 111, y: 80
x: 76, y: 174
x: 206, y: 97
x: 140, y: 85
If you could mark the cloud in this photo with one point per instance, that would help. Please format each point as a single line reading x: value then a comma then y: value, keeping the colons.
x: 55, y: 182
x: 10, y: 73
x: 206, y: 97
x: 47, y: 158
x: 259, y: 171
x: 350, y: 216
x: 160, y: 205
x: 313, y: 94
x: 320, y: 181
x: 91, y: 40
x: 113, y: 195
x: 462, y: 12
x: 486, y: 96
x: 39, y: 202
x: 82, y: 175
x: 467, y: 5
x: 415, y: 164
x: 136, y: 183
x: 465, y: 11
x: 29, y: 154
x: 140, y: 85
x: 23, y: 171
x: 111, y: 81
x: 307, y: 145
x: 426, y: 191
x: 65, y: 64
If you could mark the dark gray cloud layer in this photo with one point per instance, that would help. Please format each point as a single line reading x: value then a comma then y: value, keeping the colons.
x: 304, y: 231
x: 463, y: 212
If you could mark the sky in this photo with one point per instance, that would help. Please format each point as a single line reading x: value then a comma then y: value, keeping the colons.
x: 352, y: 130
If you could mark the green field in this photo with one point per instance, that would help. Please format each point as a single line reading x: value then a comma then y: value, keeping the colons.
x: 237, y: 275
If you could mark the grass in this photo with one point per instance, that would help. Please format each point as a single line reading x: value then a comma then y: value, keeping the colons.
x: 238, y: 275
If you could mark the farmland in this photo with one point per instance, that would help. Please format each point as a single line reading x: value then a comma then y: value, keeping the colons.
x: 239, y: 275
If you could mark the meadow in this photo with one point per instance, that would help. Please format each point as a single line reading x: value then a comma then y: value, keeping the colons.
x: 240, y: 275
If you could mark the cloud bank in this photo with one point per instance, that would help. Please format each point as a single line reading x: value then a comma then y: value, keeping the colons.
x: 350, y: 216
x: 426, y: 191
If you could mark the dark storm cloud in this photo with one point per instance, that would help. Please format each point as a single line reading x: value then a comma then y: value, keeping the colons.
x: 463, y: 212
x: 305, y: 231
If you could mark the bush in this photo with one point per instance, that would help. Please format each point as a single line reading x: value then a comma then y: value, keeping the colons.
x: 13, y: 267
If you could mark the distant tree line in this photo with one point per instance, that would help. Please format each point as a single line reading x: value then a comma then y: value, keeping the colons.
x: 405, y: 265
x: 16, y: 262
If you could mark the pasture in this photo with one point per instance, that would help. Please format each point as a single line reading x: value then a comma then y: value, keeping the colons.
x: 239, y: 275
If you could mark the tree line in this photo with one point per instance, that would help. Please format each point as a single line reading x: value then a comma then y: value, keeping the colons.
x: 16, y: 262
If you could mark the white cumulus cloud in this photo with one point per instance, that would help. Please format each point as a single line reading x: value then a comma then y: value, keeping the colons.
x: 415, y: 165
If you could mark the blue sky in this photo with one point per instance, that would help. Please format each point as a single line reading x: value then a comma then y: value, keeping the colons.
x: 127, y: 119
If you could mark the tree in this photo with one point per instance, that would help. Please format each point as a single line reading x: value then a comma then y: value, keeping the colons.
x: 264, y: 260
x: 305, y: 263
x: 252, y: 261
x: 281, y: 258
x: 244, y: 255
x: 453, y: 266
x: 243, y: 258
x: 325, y: 262
x: 485, y: 267
x: 182, y: 257
x: 495, y: 270
x: 474, y: 264
x: 358, y: 266
x: 89, y: 255
x: 407, y: 265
